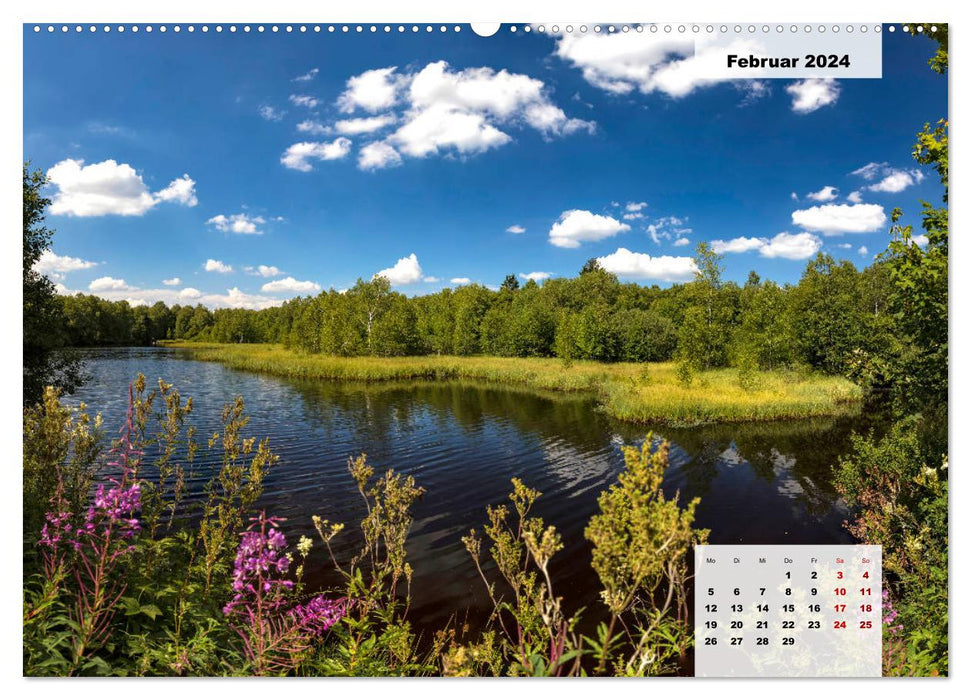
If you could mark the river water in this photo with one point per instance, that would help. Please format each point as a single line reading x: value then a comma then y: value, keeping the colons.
x: 759, y: 483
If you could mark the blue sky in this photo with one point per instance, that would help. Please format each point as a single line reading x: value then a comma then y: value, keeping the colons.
x: 288, y: 163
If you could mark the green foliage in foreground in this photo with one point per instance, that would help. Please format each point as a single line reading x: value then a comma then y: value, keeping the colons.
x: 642, y: 393
x: 147, y: 592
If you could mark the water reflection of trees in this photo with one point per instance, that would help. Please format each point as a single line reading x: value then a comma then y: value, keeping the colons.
x: 796, y: 457
x: 376, y: 411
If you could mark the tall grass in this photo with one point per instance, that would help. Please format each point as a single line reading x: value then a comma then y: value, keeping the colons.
x: 640, y: 393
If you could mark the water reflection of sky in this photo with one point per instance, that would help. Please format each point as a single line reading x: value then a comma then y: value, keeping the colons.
x: 758, y: 483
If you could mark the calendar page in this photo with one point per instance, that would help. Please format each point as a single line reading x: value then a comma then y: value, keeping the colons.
x: 415, y: 346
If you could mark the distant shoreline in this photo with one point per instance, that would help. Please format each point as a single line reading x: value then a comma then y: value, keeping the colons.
x: 631, y: 392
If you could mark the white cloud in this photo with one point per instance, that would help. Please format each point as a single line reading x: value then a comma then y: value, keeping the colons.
x: 622, y: 62
x: 304, y: 101
x: 844, y: 246
x: 263, y: 270
x: 104, y: 284
x: 110, y: 187
x: 794, y: 197
x: 891, y: 180
x: 308, y: 76
x: 578, y: 226
x: 737, y: 245
x: 173, y: 282
x: 51, y: 263
x: 681, y: 242
x: 309, y: 126
x: 405, y: 271
x: 812, y: 93
x: 920, y: 239
x: 463, y: 112
x: 827, y: 194
x: 863, y: 250
x: 233, y: 298
x: 666, y: 268
x: 632, y: 211
x: 372, y: 91
x: 270, y: 113
x: 289, y: 284
x: 181, y: 191
x: 834, y: 219
x: 237, y: 223
x: 298, y: 155
x: 430, y: 279
x: 667, y: 228
x: 440, y: 127
x: 516, y: 228
x: 460, y: 280
x: 536, y: 276
x: 854, y: 197
x: 378, y: 155
x: 791, y: 246
x: 364, y: 125
x: 218, y: 266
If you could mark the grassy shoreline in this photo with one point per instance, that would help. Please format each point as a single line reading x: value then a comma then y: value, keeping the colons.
x: 639, y: 393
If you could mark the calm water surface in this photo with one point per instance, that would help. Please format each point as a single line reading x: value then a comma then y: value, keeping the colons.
x: 766, y: 483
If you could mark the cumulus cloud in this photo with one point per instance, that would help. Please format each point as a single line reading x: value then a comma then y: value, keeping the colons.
x: 104, y: 284
x: 624, y: 62
x: 270, y: 113
x: 298, y: 156
x: 363, y: 125
x: 791, y: 246
x: 827, y: 194
x: 812, y: 93
x: 237, y: 223
x: 737, y: 245
x: 110, y: 187
x: 315, y: 128
x: 304, y: 101
x: 181, y: 191
x: 854, y: 197
x: 173, y: 282
x: 405, y: 271
x: 263, y: 270
x: 920, y: 240
x: 233, y: 298
x: 834, y: 219
x: 681, y: 242
x: 665, y: 268
x: 536, y: 276
x: 888, y: 179
x: 289, y: 284
x: 516, y: 228
x: 445, y: 111
x: 460, y: 280
x: 372, y: 90
x: 578, y: 226
x: 50, y: 263
x: 863, y: 250
x: 378, y: 155
x: 218, y: 266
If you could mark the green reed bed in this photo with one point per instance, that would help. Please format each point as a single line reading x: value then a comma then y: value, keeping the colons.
x: 641, y: 393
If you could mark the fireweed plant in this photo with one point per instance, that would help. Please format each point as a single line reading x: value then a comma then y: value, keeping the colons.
x: 129, y: 574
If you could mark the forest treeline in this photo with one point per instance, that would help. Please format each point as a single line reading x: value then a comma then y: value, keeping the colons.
x: 834, y: 319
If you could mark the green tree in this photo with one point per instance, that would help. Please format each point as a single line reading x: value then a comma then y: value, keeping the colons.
x: 45, y: 362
